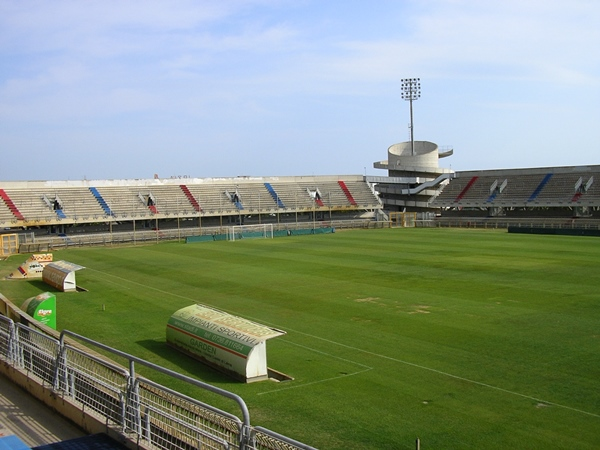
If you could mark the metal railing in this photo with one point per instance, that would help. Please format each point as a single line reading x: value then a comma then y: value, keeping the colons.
x: 156, y: 416
x: 50, y: 243
x: 505, y: 222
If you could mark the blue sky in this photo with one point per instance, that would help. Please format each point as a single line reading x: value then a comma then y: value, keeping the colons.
x: 127, y: 89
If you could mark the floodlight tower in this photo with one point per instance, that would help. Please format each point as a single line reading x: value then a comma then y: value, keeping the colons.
x: 411, y: 90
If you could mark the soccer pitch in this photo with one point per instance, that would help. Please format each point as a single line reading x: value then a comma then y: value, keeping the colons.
x: 462, y: 338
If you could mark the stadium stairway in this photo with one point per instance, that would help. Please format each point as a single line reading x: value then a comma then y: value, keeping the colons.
x: 274, y: 195
x: 60, y: 214
x: 466, y: 189
x: 492, y: 197
x: 347, y: 192
x: 9, y: 203
x: 540, y: 187
x: 101, y: 201
x: 190, y: 197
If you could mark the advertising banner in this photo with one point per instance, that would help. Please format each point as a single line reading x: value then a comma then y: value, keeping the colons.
x: 33, y: 267
x: 42, y: 308
x: 233, y: 344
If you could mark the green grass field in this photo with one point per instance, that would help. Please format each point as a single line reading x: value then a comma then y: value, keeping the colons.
x: 463, y: 338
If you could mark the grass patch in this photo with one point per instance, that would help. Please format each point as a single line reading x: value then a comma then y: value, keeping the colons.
x: 464, y: 338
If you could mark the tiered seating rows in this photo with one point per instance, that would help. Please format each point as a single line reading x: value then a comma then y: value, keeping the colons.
x: 520, y: 189
x: 127, y: 202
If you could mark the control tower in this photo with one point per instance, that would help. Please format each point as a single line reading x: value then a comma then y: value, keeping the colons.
x: 414, y: 176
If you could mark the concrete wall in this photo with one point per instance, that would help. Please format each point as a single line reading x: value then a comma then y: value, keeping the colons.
x: 426, y: 155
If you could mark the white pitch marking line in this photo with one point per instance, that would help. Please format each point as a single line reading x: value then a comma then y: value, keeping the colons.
x: 140, y: 284
x: 326, y: 354
x: 367, y: 368
x: 457, y: 377
x: 113, y: 282
x: 479, y: 383
x: 296, y: 386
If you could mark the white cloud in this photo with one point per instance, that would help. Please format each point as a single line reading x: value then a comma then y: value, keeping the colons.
x: 472, y: 39
x: 237, y: 71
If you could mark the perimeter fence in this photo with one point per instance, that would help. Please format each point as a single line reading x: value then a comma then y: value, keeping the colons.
x: 564, y: 223
x: 146, y: 414
x: 46, y: 243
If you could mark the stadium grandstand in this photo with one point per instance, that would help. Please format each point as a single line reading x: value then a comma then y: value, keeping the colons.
x: 47, y: 214
x: 189, y: 205
x: 415, y: 183
x: 541, y: 195
x: 554, y: 191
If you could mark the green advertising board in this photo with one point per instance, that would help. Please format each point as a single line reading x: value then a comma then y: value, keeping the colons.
x: 42, y: 308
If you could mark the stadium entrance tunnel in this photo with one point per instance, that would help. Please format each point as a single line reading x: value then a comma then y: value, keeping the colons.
x: 230, y: 344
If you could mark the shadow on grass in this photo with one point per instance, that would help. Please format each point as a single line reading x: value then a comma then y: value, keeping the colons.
x: 184, y: 364
x: 42, y: 286
x: 19, y: 290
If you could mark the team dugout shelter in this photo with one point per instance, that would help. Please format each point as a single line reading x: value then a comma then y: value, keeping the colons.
x: 61, y: 275
x: 70, y: 207
x: 230, y: 344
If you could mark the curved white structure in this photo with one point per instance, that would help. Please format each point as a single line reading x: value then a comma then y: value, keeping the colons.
x: 425, y: 154
x: 414, y: 175
x: 233, y: 345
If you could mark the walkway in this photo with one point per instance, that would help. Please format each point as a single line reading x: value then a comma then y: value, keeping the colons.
x: 24, y: 416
